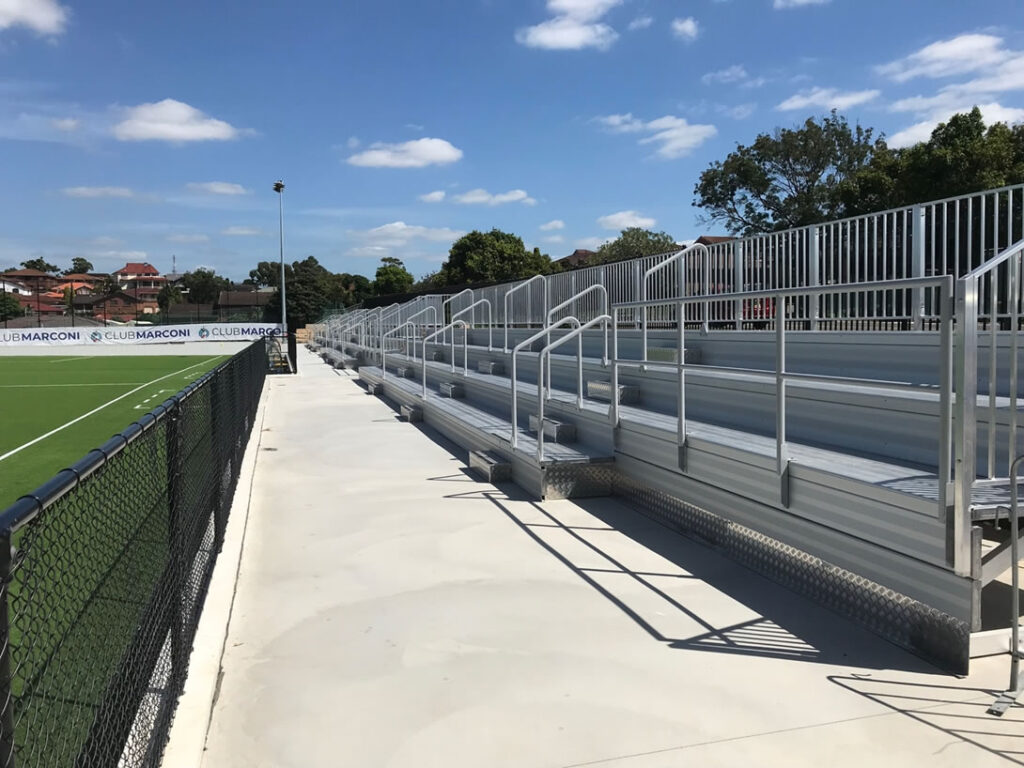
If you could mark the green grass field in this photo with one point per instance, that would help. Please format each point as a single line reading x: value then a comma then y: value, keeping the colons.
x: 55, y: 409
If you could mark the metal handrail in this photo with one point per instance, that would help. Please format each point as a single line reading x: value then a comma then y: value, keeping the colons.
x: 1007, y: 254
x: 450, y: 299
x: 465, y: 349
x: 423, y: 311
x: 508, y: 300
x: 598, y: 288
x: 383, y: 348
x: 1009, y: 697
x: 515, y: 382
x: 674, y: 258
x: 943, y: 283
x: 490, y: 320
x: 576, y: 333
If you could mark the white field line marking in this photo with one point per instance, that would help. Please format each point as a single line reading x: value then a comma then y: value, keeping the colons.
x: 100, y: 384
x: 76, y: 357
x: 100, y: 408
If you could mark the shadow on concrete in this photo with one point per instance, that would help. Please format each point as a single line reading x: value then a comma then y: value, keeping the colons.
x: 957, y: 711
x: 784, y: 625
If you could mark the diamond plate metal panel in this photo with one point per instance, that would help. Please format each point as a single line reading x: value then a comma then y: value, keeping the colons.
x: 938, y: 637
x: 578, y: 480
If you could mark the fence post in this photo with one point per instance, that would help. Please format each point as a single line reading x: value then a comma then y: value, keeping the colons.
x: 6, y: 693
x: 813, y: 276
x: 220, y: 455
x: 917, y: 265
x: 737, y: 281
x: 175, y: 544
x: 958, y: 525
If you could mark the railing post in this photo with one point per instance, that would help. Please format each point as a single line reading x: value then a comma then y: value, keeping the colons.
x: 175, y: 544
x: 781, y: 446
x: 681, y: 395
x: 6, y: 683
x: 737, y: 281
x: 813, y: 276
x: 917, y: 265
x: 637, y: 278
x: 958, y: 525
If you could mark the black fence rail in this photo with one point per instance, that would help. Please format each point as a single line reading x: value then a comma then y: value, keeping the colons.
x: 105, y: 569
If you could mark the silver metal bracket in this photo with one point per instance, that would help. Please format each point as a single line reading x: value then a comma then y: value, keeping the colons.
x: 784, y: 486
x: 682, y: 456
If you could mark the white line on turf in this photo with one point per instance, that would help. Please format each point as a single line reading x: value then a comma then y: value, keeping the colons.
x: 100, y: 384
x: 100, y: 408
x: 76, y: 357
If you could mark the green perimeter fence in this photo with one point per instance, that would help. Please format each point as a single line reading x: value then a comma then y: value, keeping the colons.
x: 104, y: 570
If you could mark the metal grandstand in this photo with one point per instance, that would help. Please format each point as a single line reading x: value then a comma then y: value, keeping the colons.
x: 835, y: 405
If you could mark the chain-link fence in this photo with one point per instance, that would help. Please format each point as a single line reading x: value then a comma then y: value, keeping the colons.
x: 106, y: 567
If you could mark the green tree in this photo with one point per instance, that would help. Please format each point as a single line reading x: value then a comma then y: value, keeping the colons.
x: 633, y: 243
x: 307, y: 288
x: 203, y: 285
x: 961, y: 156
x: 392, y: 277
x: 493, y: 256
x: 348, y: 290
x: 10, y: 308
x: 79, y: 266
x: 789, y: 178
x: 41, y: 264
x: 267, y: 274
x: 168, y: 296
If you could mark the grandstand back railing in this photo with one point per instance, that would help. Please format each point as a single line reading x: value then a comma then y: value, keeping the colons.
x: 942, y: 237
x: 105, y: 569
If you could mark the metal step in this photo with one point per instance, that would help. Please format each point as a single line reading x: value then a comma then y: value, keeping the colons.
x: 601, y: 389
x: 411, y: 413
x: 405, y: 372
x: 671, y: 355
x: 490, y: 466
x: 493, y: 367
x: 559, y: 431
x: 452, y: 389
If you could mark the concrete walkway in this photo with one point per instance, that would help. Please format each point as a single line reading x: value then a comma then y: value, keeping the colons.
x: 390, y: 611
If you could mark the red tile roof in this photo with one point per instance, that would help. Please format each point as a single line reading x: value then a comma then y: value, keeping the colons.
x: 137, y: 268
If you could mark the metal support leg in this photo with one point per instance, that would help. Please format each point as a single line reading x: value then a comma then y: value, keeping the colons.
x: 1009, y: 697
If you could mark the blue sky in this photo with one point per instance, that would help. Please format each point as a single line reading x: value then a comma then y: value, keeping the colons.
x: 135, y: 130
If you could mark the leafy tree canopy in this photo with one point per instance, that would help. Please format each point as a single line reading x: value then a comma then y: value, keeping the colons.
x: 9, y: 307
x: 79, y: 266
x: 492, y: 257
x: 203, y: 285
x: 41, y: 264
x: 633, y: 243
x: 392, y: 277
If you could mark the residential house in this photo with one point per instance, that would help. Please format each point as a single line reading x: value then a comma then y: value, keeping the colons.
x: 141, y: 280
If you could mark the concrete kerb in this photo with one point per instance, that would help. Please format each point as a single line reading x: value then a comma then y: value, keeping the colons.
x: 187, y: 739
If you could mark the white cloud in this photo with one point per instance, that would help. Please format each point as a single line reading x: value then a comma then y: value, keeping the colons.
x: 827, y: 98
x: 922, y: 131
x: 418, y: 153
x: 436, y: 196
x: 553, y: 239
x: 171, y: 120
x: 483, y: 197
x: 66, y: 124
x: 398, y: 234
x: 780, y: 5
x: 739, y: 111
x: 575, y: 24
x: 733, y: 74
x: 217, y: 188
x: 553, y: 224
x: 625, y: 220
x: 242, y: 231
x: 945, y: 58
x: 640, y: 22
x: 674, y: 136
x: 591, y: 243
x: 47, y: 17
x: 415, y: 127
x: 685, y: 29
x: 182, y: 238
x: 94, y: 192
x: 353, y: 142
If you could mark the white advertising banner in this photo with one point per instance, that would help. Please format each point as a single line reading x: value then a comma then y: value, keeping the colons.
x: 136, y: 334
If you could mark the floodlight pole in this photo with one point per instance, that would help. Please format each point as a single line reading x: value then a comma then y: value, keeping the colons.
x: 279, y: 188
